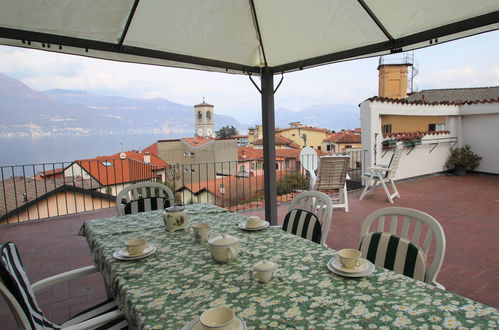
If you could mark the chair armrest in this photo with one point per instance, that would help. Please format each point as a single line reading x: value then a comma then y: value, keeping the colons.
x: 96, y: 321
x: 75, y: 273
x: 378, y: 169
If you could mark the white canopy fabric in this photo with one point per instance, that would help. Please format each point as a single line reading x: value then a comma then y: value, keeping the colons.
x: 240, y: 36
x: 260, y: 37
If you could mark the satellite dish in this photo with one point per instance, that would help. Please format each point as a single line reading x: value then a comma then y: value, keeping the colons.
x: 308, y: 158
x: 122, y: 155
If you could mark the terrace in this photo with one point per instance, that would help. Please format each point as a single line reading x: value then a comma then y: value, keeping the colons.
x: 466, y: 206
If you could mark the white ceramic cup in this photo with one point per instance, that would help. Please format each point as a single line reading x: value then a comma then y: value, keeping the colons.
x: 264, y: 271
x: 253, y: 222
x: 219, y: 318
x: 199, y: 231
x: 135, y: 246
x: 350, y: 258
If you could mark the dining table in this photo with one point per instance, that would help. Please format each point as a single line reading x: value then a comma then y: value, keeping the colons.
x: 180, y: 280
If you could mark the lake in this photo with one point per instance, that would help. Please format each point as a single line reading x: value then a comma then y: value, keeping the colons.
x: 53, y: 149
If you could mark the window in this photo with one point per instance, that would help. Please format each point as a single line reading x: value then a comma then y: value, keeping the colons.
x: 386, y: 129
x: 288, y: 163
x: 200, y: 115
x: 106, y: 164
x: 208, y: 115
x: 328, y: 147
x: 436, y: 127
x: 348, y: 146
x: 277, y: 166
x: 319, y: 148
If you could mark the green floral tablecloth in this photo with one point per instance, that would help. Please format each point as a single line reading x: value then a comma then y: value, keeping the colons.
x: 171, y: 287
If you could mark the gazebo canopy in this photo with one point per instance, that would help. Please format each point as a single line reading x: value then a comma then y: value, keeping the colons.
x: 259, y: 37
x: 240, y: 36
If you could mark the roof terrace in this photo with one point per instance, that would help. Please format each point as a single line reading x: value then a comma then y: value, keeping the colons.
x: 466, y: 206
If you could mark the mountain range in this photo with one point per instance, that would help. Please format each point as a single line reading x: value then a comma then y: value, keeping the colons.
x: 26, y: 112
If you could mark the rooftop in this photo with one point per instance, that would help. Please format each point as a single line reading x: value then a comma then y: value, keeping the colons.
x: 467, y: 207
x: 463, y: 95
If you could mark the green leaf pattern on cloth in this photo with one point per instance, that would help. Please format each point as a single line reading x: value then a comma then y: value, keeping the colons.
x: 180, y: 280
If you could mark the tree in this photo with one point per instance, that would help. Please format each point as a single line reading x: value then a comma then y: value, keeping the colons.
x: 227, y: 132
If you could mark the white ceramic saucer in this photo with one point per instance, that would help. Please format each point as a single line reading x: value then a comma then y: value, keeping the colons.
x: 239, y: 324
x: 122, y: 254
x: 242, y: 225
x: 370, y: 269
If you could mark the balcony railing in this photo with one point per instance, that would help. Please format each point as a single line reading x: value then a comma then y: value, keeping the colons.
x: 40, y: 191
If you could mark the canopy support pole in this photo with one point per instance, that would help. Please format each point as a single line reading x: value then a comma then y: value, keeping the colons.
x: 269, y: 167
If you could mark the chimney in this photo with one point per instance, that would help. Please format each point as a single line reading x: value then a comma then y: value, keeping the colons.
x: 393, y: 80
x: 147, y: 158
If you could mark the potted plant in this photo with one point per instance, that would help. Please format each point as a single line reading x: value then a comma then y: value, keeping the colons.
x: 462, y: 159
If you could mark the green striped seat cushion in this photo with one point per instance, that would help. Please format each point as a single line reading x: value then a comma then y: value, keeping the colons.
x: 146, y: 204
x: 394, y: 253
x: 304, y: 224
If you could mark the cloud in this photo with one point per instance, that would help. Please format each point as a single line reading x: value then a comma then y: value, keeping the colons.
x: 460, y: 77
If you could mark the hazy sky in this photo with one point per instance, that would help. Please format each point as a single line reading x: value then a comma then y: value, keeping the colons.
x: 469, y: 62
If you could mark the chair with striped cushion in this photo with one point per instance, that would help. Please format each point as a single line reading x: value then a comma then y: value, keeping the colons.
x: 145, y: 196
x: 19, y: 294
x: 404, y: 240
x: 310, y: 216
x: 394, y: 253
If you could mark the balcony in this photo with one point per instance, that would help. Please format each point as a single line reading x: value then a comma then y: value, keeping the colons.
x: 467, y: 207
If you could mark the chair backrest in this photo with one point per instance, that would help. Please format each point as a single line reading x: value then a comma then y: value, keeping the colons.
x: 394, y: 253
x: 16, y: 289
x: 332, y: 172
x: 141, y: 197
x: 394, y: 162
x: 317, y: 203
x: 418, y: 227
x: 304, y: 224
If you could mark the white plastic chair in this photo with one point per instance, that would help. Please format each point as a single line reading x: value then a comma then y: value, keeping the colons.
x: 309, y: 162
x: 19, y: 294
x: 141, y: 197
x: 319, y: 204
x: 381, y: 174
x: 332, y: 175
x: 420, y: 228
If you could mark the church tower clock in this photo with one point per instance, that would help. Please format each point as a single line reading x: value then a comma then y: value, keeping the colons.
x: 204, y: 120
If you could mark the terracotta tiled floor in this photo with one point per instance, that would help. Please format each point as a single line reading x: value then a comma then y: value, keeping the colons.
x: 467, y: 207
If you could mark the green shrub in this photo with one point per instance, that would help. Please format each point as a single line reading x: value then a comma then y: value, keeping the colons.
x: 463, y: 157
x: 290, y: 183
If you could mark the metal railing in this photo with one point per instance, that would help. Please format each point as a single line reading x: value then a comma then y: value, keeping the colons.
x: 39, y: 191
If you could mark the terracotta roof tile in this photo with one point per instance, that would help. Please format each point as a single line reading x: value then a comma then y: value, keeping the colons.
x: 343, y: 137
x: 109, y: 170
x: 310, y: 128
x: 420, y: 102
x: 280, y: 140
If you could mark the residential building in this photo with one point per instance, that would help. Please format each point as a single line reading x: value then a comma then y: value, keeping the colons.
x: 23, y: 199
x: 344, y: 140
x: 304, y: 136
x: 468, y: 123
x: 281, y: 142
x: 242, y: 140
x: 115, y: 172
x: 254, y: 134
x: 198, y: 158
x: 250, y: 160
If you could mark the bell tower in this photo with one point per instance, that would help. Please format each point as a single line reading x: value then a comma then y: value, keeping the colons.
x: 204, y: 120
